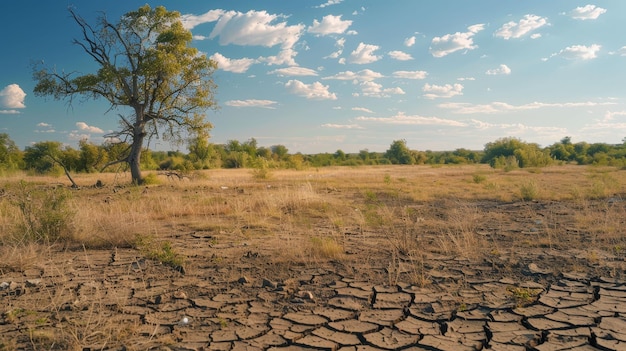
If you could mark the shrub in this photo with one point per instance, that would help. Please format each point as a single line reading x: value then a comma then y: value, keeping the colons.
x: 45, y: 214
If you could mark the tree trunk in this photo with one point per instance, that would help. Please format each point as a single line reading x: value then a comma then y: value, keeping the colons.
x: 134, y: 158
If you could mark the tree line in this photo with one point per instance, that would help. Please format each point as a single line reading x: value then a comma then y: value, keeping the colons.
x: 52, y: 157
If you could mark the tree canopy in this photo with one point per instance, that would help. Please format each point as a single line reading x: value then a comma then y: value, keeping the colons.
x: 147, y: 70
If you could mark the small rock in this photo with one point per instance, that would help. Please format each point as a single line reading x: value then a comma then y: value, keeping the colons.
x: 269, y: 284
x: 4, y: 285
x: 305, y: 295
x: 32, y: 282
x: 243, y: 280
x: 179, y: 294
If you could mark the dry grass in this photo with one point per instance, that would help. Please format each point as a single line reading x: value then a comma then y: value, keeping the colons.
x: 389, y: 199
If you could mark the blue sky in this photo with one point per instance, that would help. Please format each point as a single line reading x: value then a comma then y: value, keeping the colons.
x: 322, y: 75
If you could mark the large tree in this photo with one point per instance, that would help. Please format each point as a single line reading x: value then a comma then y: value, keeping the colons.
x: 147, y: 68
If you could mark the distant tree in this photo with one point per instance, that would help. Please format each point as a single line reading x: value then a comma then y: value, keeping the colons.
x: 280, y: 152
x: 339, y: 155
x: 512, y: 152
x: 44, y: 155
x: 399, y: 153
x: 145, y: 64
x: 11, y: 158
x: 92, y: 157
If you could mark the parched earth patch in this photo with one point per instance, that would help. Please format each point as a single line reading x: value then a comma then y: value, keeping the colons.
x: 98, y: 299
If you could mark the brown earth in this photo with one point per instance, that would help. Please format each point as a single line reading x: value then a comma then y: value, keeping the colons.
x: 393, y: 269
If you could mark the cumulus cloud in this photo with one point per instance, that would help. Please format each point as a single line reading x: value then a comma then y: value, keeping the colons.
x: 363, y: 75
x: 232, y: 65
x: 373, y: 89
x: 514, y: 30
x: 44, y: 127
x: 410, y: 74
x: 449, y: 43
x: 400, y: 55
x: 403, y: 119
x: 190, y: 21
x: 251, y: 103
x: 520, y: 128
x: 622, y: 51
x: 408, y: 42
x: 329, y: 3
x: 500, y: 107
x: 87, y: 128
x: 579, y: 52
x: 342, y: 126
x: 363, y: 54
x: 587, y: 12
x: 329, y: 25
x: 314, y: 91
x: 362, y: 109
x: 255, y: 28
x: 12, y: 96
x: 442, y: 91
x: 502, y: 69
x: 294, y: 71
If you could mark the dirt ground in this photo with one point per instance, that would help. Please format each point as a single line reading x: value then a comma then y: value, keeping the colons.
x: 394, y: 268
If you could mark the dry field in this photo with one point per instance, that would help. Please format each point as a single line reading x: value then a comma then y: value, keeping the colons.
x: 189, y: 263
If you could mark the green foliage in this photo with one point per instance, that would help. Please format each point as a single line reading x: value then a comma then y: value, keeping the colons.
x: 529, y: 191
x: 45, y: 214
x: 508, y: 153
x: 11, y: 158
x: 479, y: 178
x: 399, y: 153
x: 146, y: 63
x: 162, y: 252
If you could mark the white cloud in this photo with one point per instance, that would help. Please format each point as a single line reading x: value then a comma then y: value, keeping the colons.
x: 329, y: 3
x: 294, y: 71
x: 520, y: 128
x: 400, y: 56
x: 232, y: 65
x: 502, y: 69
x: 362, y: 109
x: 622, y: 51
x: 373, y: 89
x: 449, y: 43
x: 342, y: 126
x: 579, y: 52
x: 255, y: 28
x: 362, y: 76
x: 12, y: 96
x: 587, y: 12
x: 500, y: 107
x: 91, y: 129
x: 251, y: 103
x: 190, y: 21
x: 284, y: 57
x: 527, y: 24
x: 408, y: 42
x: 363, y: 54
x: 402, y: 119
x: 442, y: 91
x: 330, y: 25
x: 410, y: 74
x: 43, y: 124
x: 314, y: 91
x: 339, y: 44
x: 465, y: 78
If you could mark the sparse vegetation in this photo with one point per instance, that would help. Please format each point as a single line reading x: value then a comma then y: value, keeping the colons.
x: 388, y: 224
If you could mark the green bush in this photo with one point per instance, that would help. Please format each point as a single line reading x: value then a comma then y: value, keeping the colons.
x: 45, y: 212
